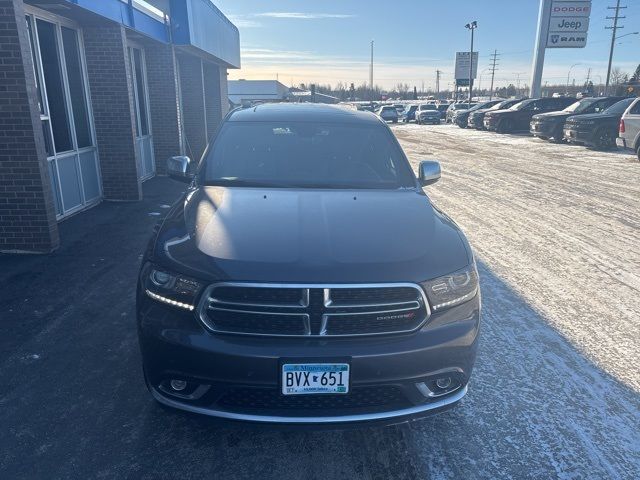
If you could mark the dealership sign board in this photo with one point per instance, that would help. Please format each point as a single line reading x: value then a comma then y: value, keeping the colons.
x: 569, y: 24
x: 463, y: 60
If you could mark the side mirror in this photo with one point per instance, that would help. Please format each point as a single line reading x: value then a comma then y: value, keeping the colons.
x: 178, y: 169
x: 429, y: 172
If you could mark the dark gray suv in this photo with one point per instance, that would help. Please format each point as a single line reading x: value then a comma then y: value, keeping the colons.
x: 306, y: 278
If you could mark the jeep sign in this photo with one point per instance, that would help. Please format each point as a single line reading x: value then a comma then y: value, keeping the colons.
x: 568, y: 24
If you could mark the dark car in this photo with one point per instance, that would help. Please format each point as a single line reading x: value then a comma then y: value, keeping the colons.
x: 476, y: 118
x: 454, y: 107
x: 305, y: 277
x: 551, y: 125
x: 461, y: 117
x: 518, y: 117
x: 597, y: 130
x: 409, y: 113
x: 442, y: 108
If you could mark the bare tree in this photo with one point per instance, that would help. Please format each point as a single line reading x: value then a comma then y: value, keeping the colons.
x: 618, y: 76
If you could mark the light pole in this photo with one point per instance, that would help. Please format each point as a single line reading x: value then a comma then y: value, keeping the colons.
x: 569, y: 74
x: 471, y: 26
x: 480, y: 78
x: 371, y: 73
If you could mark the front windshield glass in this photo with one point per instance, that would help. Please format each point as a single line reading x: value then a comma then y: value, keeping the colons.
x: 619, y: 107
x: 521, y: 105
x: 428, y: 107
x: 283, y: 154
x: 580, y: 105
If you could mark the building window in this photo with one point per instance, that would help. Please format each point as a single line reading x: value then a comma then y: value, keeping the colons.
x: 76, y: 87
x: 65, y: 111
x: 52, y: 71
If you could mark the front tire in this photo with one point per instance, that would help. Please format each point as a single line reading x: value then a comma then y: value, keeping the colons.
x: 605, y: 139
x: 638, y: 152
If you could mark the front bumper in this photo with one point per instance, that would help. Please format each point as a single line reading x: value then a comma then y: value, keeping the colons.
x: 476, y: 121
x: 578, y: 136
x: 246, y: 369
x: 490, y: 123
x: 430, y: 118
x: 542, y: 129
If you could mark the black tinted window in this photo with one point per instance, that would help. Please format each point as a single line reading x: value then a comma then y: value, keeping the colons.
x: 301, y: 154
x: 620, y: 107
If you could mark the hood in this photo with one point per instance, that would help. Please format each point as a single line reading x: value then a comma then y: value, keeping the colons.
x: 596, y: 116
x: 560, y: 115
x: 499, y: 112
x: 310, y: 236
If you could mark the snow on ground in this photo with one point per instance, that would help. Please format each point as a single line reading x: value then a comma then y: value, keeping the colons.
x: 556, y: 231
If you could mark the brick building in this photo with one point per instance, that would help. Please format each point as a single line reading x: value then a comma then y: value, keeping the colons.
x: 95, y: 95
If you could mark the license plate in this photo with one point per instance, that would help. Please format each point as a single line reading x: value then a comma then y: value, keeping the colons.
x: 314, y: 378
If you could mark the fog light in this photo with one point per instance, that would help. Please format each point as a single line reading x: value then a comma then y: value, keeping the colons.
x: 443, y: 383
x: 178, y: 385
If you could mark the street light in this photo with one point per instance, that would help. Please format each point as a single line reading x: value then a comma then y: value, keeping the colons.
x: 569, y: 74
x: 471, y: 26
x: 626, y: 35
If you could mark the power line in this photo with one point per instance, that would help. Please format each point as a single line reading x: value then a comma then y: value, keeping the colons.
x: 494, y: 63
x: 614, y: 29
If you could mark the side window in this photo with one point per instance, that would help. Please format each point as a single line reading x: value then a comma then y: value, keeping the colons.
x: 635, y: 110
x: 600, y: 106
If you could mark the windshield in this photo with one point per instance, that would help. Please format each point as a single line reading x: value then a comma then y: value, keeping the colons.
x: 306, y: 155
x: 619, y: 107
x: 580, y: 105
x: 428, y: 107
x: 521, y: 105
x: 501, y: 105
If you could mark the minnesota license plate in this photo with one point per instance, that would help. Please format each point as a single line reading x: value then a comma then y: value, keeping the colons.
x: 314, y: 378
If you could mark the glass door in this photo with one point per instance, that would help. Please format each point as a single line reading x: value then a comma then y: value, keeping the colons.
x: 144, y: 138
x: 65, y: 114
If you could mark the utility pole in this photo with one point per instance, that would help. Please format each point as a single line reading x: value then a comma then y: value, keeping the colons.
x: 615, y: 28
x: 371, y: 73
x: 438, y: 72
x: 494, y: 60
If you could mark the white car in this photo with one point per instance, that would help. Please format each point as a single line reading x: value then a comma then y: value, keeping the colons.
x: 388, y: 113
x: 629, y: 134
x: 428, y: 113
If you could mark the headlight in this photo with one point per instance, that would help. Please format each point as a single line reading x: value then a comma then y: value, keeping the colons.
x: 452, y: 289
x: 169, y: 287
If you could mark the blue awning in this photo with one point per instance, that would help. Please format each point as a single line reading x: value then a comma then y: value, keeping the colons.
x: 199, y: 24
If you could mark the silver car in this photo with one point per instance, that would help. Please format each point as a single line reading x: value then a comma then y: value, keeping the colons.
x: 629, y: 135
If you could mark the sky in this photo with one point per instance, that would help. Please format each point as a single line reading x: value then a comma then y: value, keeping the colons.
x: 328, y: 41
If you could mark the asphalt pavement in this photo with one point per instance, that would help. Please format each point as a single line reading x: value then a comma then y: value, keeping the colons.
x: 555, y: 392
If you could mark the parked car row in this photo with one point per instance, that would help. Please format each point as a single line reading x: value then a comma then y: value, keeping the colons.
x: 428, y: 112
x: 600, y: 122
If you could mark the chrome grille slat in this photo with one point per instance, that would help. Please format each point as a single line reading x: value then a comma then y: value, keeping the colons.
x: 322, y: 310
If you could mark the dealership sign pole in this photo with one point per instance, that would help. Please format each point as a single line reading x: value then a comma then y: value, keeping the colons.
x: 561, y: 24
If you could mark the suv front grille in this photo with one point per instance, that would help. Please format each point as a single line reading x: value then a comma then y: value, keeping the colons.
x: 324, y: 310
x: 264, y: 398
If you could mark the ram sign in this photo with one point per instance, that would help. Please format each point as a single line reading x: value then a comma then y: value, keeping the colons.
x: 569, y: 24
